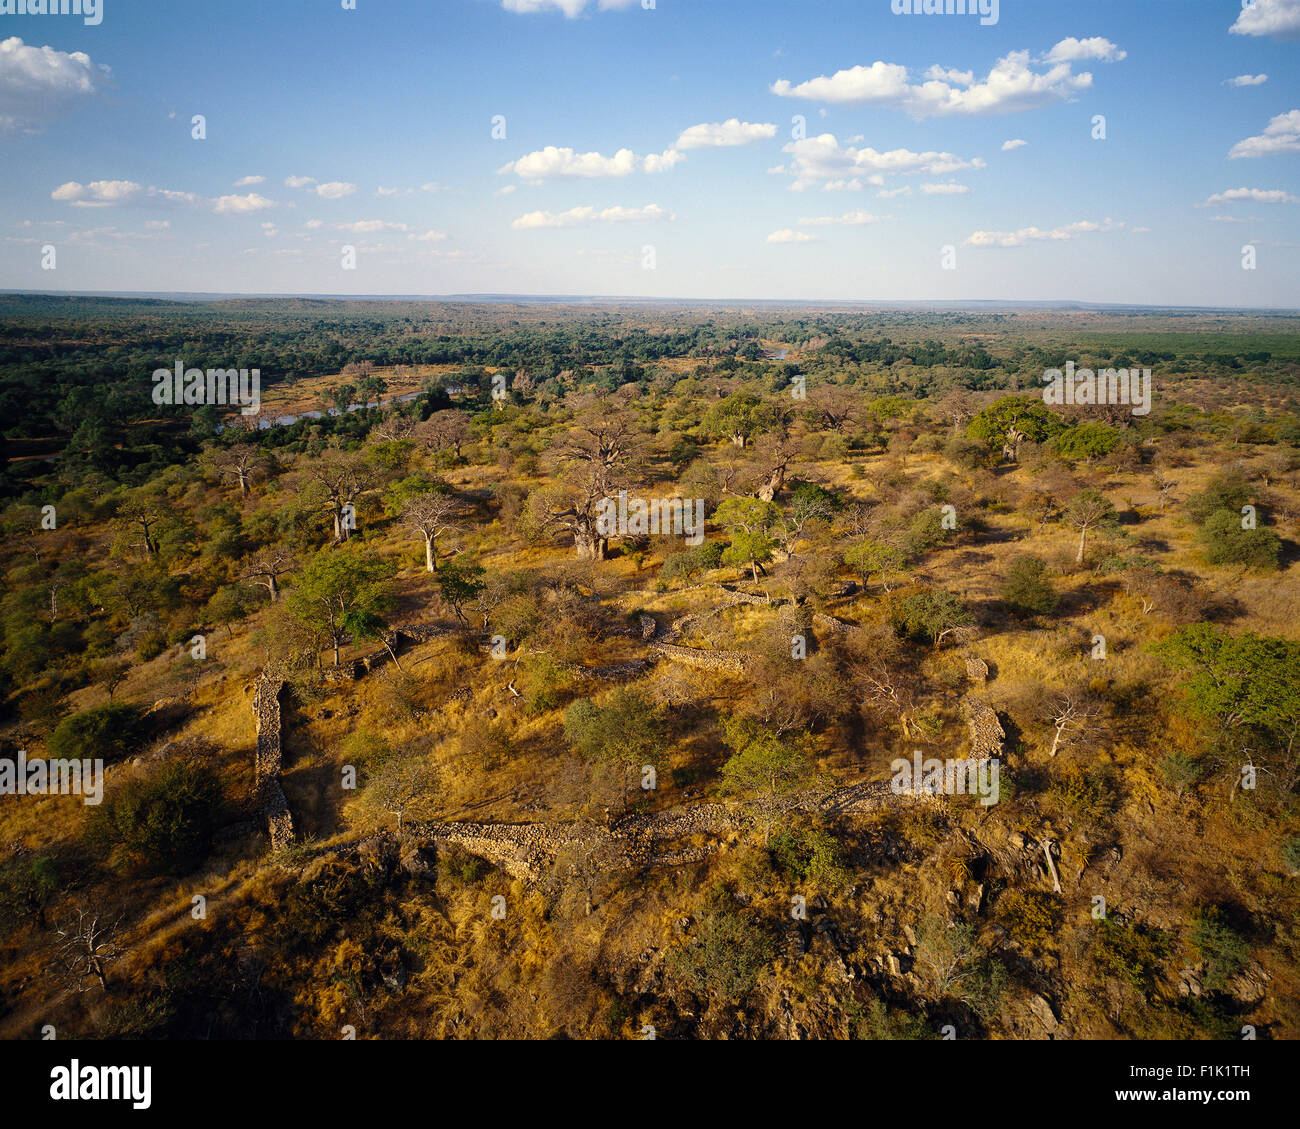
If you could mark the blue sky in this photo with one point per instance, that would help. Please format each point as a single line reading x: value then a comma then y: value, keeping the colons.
x: 671, y: 128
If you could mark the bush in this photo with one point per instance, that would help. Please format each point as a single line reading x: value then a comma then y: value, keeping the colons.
x: 1027, y: 588
x: 809, y: 856
x: 1291, y: 854
x: 1221, y: 947
x: 109, y: 732
x: 1227, y: 490
x: 1227, y: 543
x: 164, y: 820
x: 1030, y: 916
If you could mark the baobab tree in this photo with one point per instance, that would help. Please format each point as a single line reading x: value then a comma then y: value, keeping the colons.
x: 266, y: 568
x: 343, y: 477
x: 241, y: 462
x: 430, y: 516
x: 597, y: 461
x: 1089, y: 510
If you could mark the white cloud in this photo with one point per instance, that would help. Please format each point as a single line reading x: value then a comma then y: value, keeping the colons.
x: 367, y: 227
x: 298, y: 181
x: 314, y: 225
x: 119, y: 193
x: 434, y: 186
x: 789, y: 235
x: 382, y: 191
x: 1278, y: 18
x: 429, y: 236
x: 944, y: 189
x: 506, y: 190
x: 724, y: 135
x: 890, y: 193
x: 1254, y: 195
x: 821, y: 158
x: 1037, y: 235
x: 570, y: 8
x: 1071, y: 50
x: 1282, y: 135
x: 240, y: 205
x: 1246, y: 80
x: 1011, y: 86
x: 1018, y: 143
x: 98, y: 193
x: 553, y: 163
x: 158, y: 225
x: 249, y: 181
x: 588, y: 216
x: 335, y: 190
x: 270, y: 230
x: 857, y: 218
x: 38, y: 84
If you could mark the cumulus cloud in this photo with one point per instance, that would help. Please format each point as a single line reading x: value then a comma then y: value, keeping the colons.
x: 890, y: 193
x: 1017, y: 143
x: 724, y: 135
x: 857, y: 218
x: 241, y: 205
x: 1246, y: 80
x: 556, y: 163
x: 119, y: 193
x: 335, y: 190
x: 1282, y: 135
x: 1011, y: 86
x: 1037, y: 235
x: 38, y: 84
x: 822, y: 160
x: 589, y: 216
x: 1071, y: 50
x: 1254, y: 195
x: 1277, y: 18
x: 98, y: 193
x: 789, y: 235
x: 298, y: 181
x: 249, y: 181
x: 429, y: 236
x: 382, y: 191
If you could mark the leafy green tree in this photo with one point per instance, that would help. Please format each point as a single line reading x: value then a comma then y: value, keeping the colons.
x: 932, y: 615
x: 739, y: 418
x: 767, y: 769
x: 1229, y: 490
x: 460, y: 585
x: 342, y: 594
x: 749, y: 523
x: 625, y: 732
x: 1008, y: 422
x: 875, y: 558
x: 1244, y: 683
x: 1087, y: 441
x: 1027, y: 588
x: 1228, y: 542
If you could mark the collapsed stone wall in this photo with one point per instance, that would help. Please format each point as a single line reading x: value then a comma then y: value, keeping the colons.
x: 268, y: 791
x: 986, y: 732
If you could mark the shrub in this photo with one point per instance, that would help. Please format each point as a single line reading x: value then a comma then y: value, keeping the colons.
x: 1027, y: 588
x: 164, y: 820
x: 109, y: 732
x: 1030, y: 916
x: 1228, y: 543
x: 1221, y: 947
